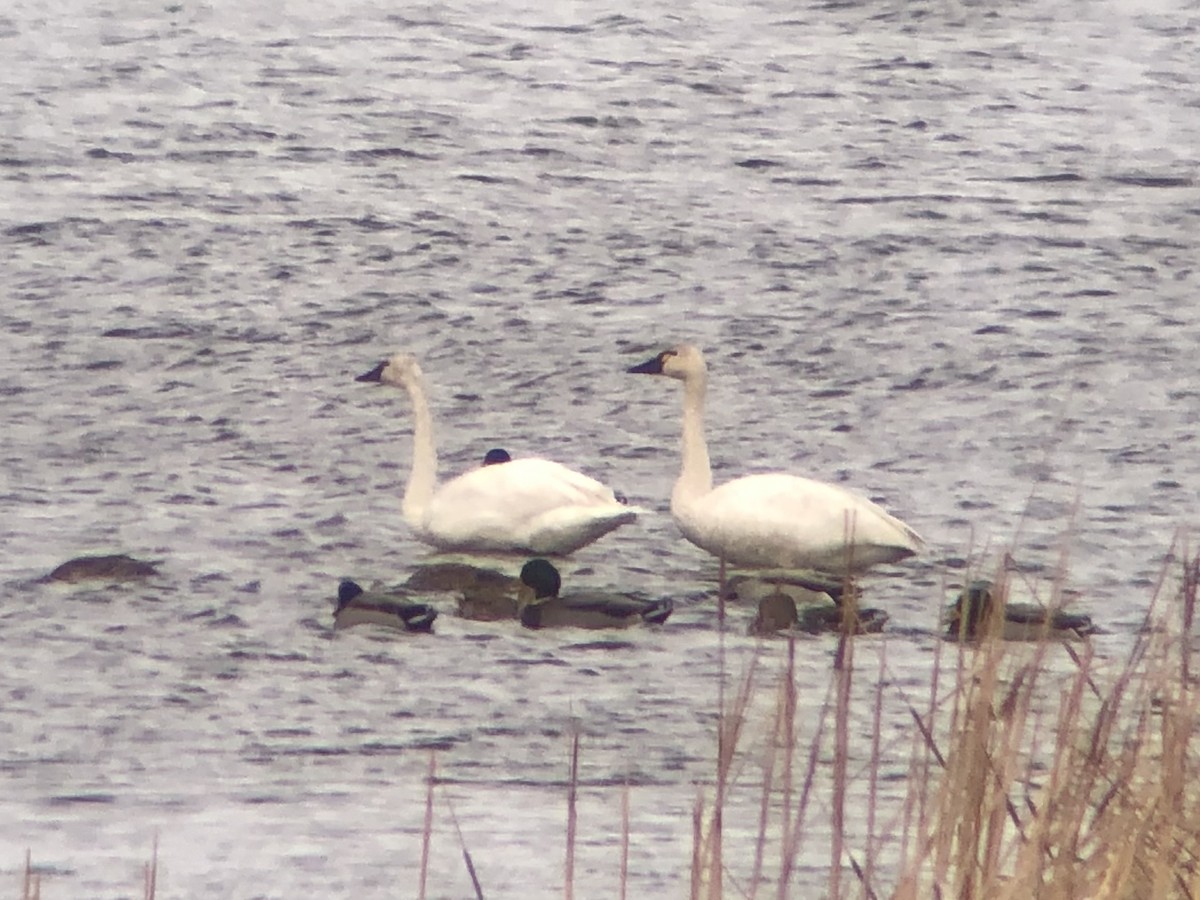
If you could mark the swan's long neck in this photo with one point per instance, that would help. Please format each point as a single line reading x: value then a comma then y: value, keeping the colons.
x: 422, y: 478
x: 695, y: 476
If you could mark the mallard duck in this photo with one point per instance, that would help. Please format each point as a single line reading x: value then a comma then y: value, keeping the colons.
x: 772, y: 520
x: 972, y: 617
x: 358, y: 607
x: 743, y: 587
x: 528, y: 505
x: 495, y: 456
x: 117, y: 567
x: 779, y: 613
x: 485, y: 595
x: 546, y: 609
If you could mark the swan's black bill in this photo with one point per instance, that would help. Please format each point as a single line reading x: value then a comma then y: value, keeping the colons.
x: 375, y: 375
x: 652, y: 366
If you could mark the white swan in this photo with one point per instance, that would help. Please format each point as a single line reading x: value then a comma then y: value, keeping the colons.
x: 524, y: 505
x: 546, y: 609
x: 772, y: 520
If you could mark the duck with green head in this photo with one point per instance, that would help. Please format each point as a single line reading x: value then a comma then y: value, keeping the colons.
x: 546, y: 608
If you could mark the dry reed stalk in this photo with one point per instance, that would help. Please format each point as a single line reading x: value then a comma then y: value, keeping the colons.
x: 716, y: 828
x: 31, y: 886
x: 925, y: 758
x: 843, y: 667
x: 796, y: 830
x: 572, y: 818
x: 624, y: 842
x: 1191, y: 576
x: 707, y: 859
x: 731, y: 718
x: 697, y: 841
x: 790, y: 698
x: 867, y: 877
x: 841, y: 756
x: 465, y: 852
x: 768, y: 785
x: 150, y: 873
x: 427, y: 829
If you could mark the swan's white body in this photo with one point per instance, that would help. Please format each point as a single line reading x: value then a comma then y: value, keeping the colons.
x: 524, y: 505
x: 775, y: 520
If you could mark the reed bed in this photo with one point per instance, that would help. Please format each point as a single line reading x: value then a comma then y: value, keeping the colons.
x: 1067, y: 787
x: 1025, y: 779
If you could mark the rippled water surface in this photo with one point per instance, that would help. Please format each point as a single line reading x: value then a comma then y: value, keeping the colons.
x: 943, y: 253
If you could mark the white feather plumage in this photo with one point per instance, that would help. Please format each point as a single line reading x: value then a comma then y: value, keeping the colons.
x: 525, y: 505
x: 773, y: 520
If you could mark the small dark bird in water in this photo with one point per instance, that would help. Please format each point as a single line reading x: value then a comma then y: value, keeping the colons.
x: 547, y: 609
x: 358, y: 607
x: 807, y: 586
x: 485, y: 595
x: 778, y: 613
x: 117, y: 567
x: 976, y: 614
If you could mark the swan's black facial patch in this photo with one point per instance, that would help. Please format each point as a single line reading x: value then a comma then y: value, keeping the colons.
x: 375, y: 375
x: 652, y: 366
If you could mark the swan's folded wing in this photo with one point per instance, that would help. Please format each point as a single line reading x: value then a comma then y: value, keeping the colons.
x: 784, y: 520
x: 531, y: 504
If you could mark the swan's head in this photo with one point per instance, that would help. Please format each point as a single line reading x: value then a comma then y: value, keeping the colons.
x: 496, y: 456
x: 540, y: 575
x: 682, y: 362
x: 399, y: 371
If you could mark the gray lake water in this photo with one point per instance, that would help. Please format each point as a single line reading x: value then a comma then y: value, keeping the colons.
x: 943, y: 253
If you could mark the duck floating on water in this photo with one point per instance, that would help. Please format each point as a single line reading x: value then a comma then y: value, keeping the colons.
x: 773, y: 520
x: 780, y: 613
x: 527, y: 505
x: 547, y: 609
x: 484, y: 595
x: 976, y: 615
x: 116, y: 567
x: 390, y: 609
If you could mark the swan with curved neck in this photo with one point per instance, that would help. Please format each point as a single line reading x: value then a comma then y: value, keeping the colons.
x: 525, y: 505
x: 774, y: 520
